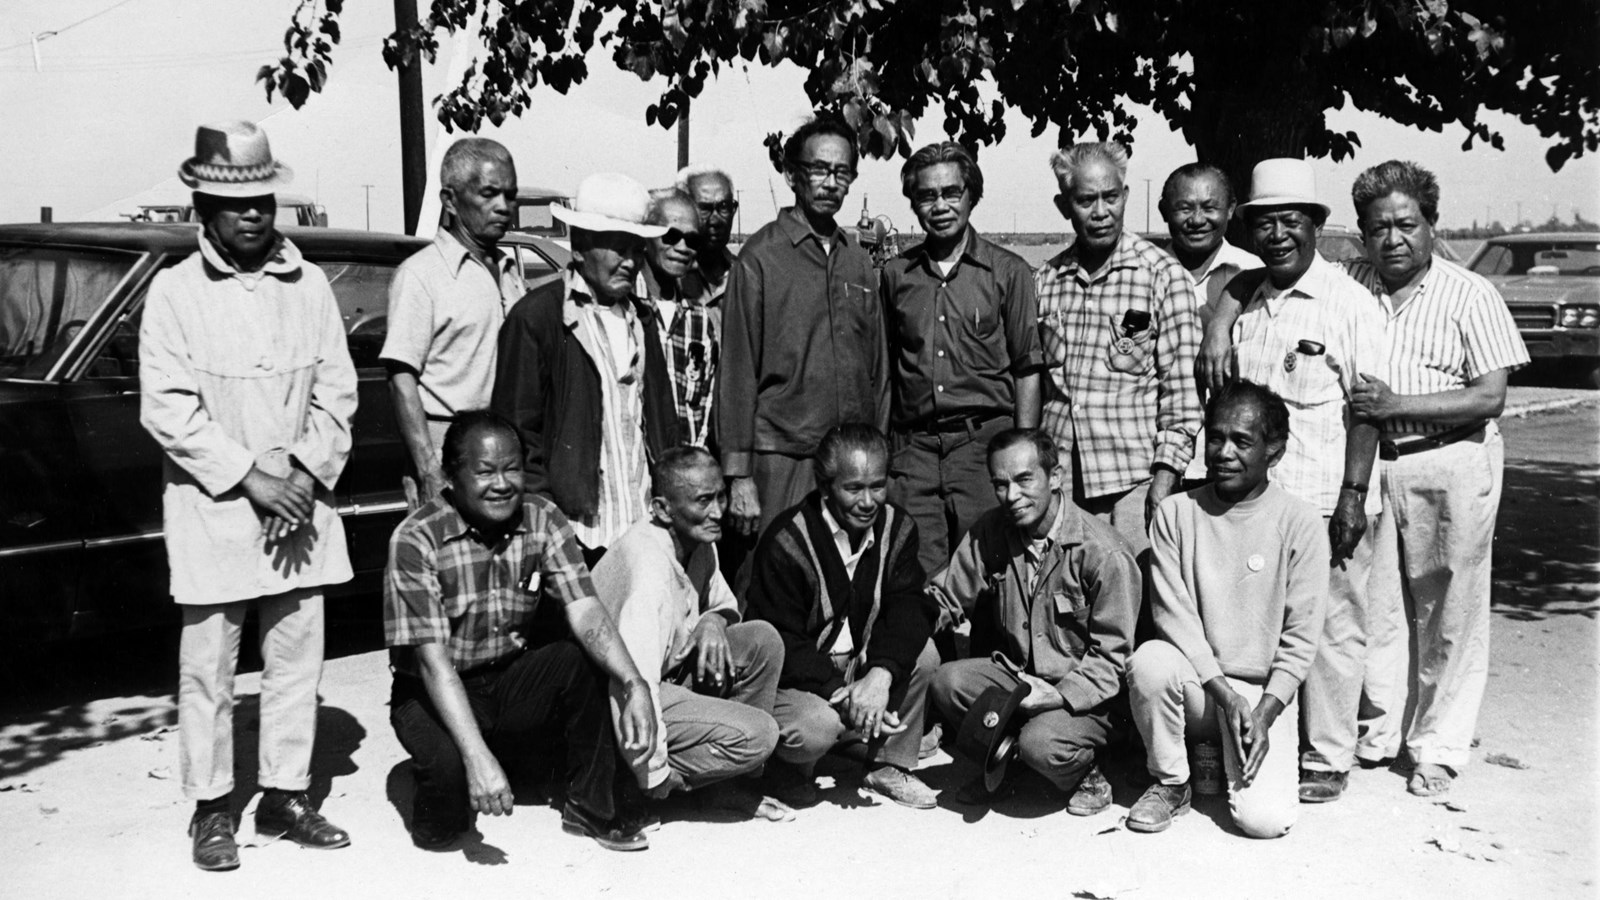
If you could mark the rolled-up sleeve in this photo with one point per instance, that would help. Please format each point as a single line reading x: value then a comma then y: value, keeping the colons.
x: 1178, y: 411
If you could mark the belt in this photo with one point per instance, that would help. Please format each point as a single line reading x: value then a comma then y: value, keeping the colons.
x: 1391, y: 450
x: 951, y: 424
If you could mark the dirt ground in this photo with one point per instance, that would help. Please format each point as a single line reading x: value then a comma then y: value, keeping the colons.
x: 90, y: 806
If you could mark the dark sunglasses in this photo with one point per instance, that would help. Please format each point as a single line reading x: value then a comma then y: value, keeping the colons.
x: 694, y: 240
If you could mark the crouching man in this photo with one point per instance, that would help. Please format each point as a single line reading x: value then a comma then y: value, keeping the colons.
x: 712, y: 679
x: 478, y: 675
x: 838, y: 576
x: 1053, y: 594
x: 1240, y: 578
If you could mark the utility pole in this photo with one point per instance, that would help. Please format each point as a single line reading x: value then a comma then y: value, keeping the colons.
x: 738, y: 197
x: 683, y: 137
x: 1519, y: 216
x: 1147, y: 204
x: 368, y: 189
x: 413, y: 136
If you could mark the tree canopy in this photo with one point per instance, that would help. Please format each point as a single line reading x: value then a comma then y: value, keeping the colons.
x: 1242, y: 80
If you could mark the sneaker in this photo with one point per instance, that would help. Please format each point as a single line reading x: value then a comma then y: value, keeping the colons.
x: 900, y: 786
x: 1322, y: 787
x: 618, y: 835
x: 1092, y: 795
x: 1160, y: 804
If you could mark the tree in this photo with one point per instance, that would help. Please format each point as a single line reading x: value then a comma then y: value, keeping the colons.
x: 1242, y: 80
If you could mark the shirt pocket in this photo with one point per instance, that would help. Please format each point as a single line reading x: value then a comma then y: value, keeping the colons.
x: 1131, y: 354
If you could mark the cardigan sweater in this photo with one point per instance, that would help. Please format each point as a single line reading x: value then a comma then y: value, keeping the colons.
x: 797, y: 573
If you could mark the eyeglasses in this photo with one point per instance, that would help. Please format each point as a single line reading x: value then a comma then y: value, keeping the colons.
x: 818, y: 172
x: 725, y: 209
x: 950, y: 195
x: 694, y: 240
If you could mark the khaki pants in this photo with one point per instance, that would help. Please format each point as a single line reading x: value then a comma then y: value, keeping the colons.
x: 1330, y: 699
x: 1170, y: 707
x: 710, y: 738
x: 208, y: 655
x: 808, y: 727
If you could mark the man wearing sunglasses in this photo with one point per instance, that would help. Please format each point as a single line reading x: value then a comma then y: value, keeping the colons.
x: 712, y: 192
x: 964, y: 343
x: 802, y: 344
x: 688, y: 329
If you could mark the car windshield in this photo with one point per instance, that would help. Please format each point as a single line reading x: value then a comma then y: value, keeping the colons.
x: 1539, y: 258
x: 46, y: 296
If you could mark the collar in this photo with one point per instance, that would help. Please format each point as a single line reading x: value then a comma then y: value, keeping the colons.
x: 840, y: 535
x: 1125, y: 256
x: 1312, y: 283
x: 457, y: 255
x: 794, y: 226
x: 1227, y: 254
x: 649, y: 285
x: 1066, y: 530
x: 978, y: 251
x: 577, y: 295
x: 452, y: 527
x: 283, y: 260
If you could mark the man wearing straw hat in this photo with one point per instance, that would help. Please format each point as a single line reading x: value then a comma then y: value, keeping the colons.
x: 446, y: 304
x: 1306, y: 331
x: 248, y: 387
x: 582, y: 373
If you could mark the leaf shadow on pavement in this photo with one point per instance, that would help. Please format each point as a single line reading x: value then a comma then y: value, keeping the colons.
x: 339, y: 735
x: 33, y: 740
x: 1547, y: 542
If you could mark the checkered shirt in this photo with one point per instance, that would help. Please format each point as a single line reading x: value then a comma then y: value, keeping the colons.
x: 1145, y: 412
x: 1455, y: 327
x: 1326, y: 306
x: 447, y: 584
x: 692, y: 351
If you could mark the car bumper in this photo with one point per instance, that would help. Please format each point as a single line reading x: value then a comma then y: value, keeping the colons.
x: 1560, y: 343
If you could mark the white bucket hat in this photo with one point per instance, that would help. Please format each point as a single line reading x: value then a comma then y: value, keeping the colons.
x: 610, y: 202
x: 1283, y: 182
x: 233, y: 159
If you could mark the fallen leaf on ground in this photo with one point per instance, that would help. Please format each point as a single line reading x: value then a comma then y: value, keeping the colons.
x: 1448, y: 845
x: 163, y: 773
x: 1502, y: 759
x: 1452, y: 805
x: 20, y: 786
x: 49, y: 810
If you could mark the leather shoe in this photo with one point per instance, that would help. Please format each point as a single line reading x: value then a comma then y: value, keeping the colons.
x: 900, y: 786
x: 1093, y: 794
x: 289, y: 814
x: 1160, y: 804
x: 215, y: 850
x: 621, y: 835
x: 1322, y: 787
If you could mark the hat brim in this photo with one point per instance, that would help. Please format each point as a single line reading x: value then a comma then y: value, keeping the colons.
x: 281, y: 176
x: 597, y: 222
x: 988, y: 746
x: 1285, y: 201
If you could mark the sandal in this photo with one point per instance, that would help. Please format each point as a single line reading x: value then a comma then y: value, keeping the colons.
x: 1429, y: 780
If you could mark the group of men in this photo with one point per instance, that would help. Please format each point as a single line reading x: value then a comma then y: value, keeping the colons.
x: 685, y: 520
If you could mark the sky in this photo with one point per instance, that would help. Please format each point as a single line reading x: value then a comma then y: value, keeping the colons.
x: 111, y: 111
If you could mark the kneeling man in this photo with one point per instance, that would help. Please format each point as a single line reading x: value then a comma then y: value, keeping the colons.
x: 1054, y: 593
x: 681, y: 625
x: 478, y: 674
x: 838, y: 576
x: 1239, y: 577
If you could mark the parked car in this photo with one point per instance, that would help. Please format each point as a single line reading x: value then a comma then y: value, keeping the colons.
x: 1337, y: 243
x: 293, y: 209
x: 1551, y: 283
x: 80, y: 479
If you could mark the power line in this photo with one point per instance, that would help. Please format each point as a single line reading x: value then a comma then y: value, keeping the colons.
x: 57, y: 31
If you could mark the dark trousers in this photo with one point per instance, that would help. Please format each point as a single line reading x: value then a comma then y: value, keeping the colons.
x: 550, y: 694
x: 942, y: 480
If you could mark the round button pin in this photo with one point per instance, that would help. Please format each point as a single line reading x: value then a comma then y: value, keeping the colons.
x: 991, y: 719
x: 1256, y: 562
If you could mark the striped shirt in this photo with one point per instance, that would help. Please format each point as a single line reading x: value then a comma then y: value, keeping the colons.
x: 1454, y: 328
x: 1327, y: 306
x: 1127, y: 406
x: 624, y: 467
x: 447, y: 583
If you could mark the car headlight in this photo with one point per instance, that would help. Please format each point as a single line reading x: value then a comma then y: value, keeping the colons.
x: 1580, y: 316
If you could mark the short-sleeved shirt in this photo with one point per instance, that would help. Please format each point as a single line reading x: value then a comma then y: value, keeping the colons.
x: 1126, y: 407
x: 1326, y: 306
x: 1454, y: 327
x: 447, y: 583
x: 445, y: 311
x: 958, y: 339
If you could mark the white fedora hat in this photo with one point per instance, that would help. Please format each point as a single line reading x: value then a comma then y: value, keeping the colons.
x: 610, y: 202
x: 233, y: 159
x: 1283, y: 182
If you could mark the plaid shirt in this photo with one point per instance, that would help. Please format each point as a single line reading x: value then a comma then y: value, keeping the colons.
x: 692, y: 346
x: 447, y: 584
x: 1128, y: 406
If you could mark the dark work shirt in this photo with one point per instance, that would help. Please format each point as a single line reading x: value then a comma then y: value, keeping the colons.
x: 958, y: 341
x: 802, y: 344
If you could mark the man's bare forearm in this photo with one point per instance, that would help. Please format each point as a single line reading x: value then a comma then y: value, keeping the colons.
x: 412, y: 420
x: 1027, y: 401
x: 598, y: 636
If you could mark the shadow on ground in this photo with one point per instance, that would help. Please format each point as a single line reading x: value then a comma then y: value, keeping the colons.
x: 1547, y: 542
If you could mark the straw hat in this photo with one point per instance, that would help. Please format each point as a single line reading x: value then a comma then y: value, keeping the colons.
x: 610, y: 202
x: 233, y: 159
x: 1283, y: 182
